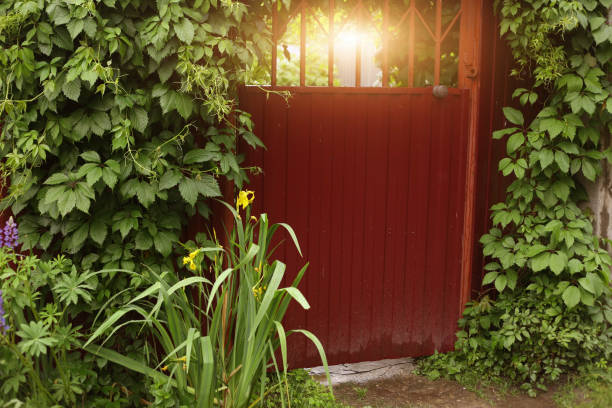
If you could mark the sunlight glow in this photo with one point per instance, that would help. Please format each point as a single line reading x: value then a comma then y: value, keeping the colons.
x: 349, y: 39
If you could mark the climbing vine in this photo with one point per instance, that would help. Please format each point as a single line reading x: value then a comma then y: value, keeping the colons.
x: 118, y: 121
x: 551, y: 311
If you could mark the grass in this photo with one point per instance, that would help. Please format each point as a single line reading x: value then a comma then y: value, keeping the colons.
x: 591, y: 389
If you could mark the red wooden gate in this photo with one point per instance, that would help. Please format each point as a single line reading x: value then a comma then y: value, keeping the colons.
x: 374, y: 182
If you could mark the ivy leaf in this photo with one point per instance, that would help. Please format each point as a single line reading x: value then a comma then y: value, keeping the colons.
x: 167, y: 101
x: 184, y: 30
x: 59, y: 15
x: 558, y: 262
x: 80, y: 235
x: 534, y: 250
x: 163, y: 242
x: 514, y: 116
x: 94, y: 175
x: 575, y: 266
x: 546, y: 158
x: 512, y: 279
x: 124, y: 225
x: 140, y: 119
x: 561, y: 190
x: 143, y: 241
x: 498, y: 134
x: 553, y: 126
x: 54, y: 193
x: 66, y: 203
x: 588, y: 170
x: 207, y: 186
x: 571, y: 296
x: 145, y: 193
x: 514, y: 142
x: 500, y: 283
x: 489, y: 277
x: 184, y: 105
x: 72, y: 89
x: 75, y: 27
x: 98, y: 230
x: 83, y: 196
x: 166, y: 69
x: 189, y: 190
x: 169, y: 179
x: 562, y: 160
x: 101, y: 120
x: 109, y: 177
x: 57, y: 178
x: 45, y: 240
x: 602, y: 34
x: 587, y: 284
x: 198, y: 156
x: 91, y: 156
x: 540, y: 262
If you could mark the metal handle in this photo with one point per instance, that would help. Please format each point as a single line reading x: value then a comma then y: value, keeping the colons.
x: 440, y: 91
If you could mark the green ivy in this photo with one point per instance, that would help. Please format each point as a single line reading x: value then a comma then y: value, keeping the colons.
x: 116, y: 119
x: 118, y: 122
x: 548, y: 310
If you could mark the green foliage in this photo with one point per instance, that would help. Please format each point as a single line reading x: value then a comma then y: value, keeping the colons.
x: 118, y: 122
x: 304, y: 392
x: 591, y: 388
x: 115, y: 120
x: 216, y: 339
x: 550, y: 274
x: 41, y: 362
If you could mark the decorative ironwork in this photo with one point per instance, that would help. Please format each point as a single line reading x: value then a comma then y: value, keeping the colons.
x: 417, y: 41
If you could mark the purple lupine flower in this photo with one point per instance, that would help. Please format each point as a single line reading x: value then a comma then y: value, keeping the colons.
x: 9, y: 235
x: 3, y: 326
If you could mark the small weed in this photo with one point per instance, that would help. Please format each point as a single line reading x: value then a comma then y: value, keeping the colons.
x: 304, y: 392
x: 361, y: 392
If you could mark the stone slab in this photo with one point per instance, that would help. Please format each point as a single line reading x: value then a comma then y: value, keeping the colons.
x: 366, y: 371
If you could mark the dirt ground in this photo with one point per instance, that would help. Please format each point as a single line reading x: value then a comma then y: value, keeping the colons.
x: 412, y: 391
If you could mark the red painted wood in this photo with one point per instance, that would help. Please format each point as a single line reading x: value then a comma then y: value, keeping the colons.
x: 373, y: 183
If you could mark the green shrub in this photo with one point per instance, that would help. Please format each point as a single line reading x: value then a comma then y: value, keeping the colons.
x: 41, y: 362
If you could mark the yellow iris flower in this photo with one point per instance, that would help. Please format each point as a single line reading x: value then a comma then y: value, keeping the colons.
x: 245, y: 198
x: 189, y: 259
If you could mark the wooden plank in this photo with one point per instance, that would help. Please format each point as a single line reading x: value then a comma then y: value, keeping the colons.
x: 297, y: 184
x: 418, y: 205
x: 340, y: 294
x: 354, y: 202
x: 376, y: 161
x: 458, y: 115
x: 320, y: 184
x: 394, y: 322
x: 436, y: 224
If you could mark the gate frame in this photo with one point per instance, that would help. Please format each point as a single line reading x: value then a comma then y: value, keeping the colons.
x: 470, y: 63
